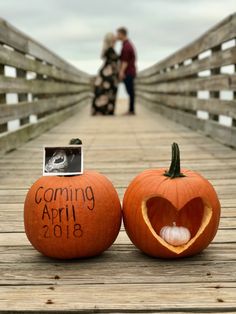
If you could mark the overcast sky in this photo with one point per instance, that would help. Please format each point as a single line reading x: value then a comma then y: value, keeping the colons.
x: 75, y: 28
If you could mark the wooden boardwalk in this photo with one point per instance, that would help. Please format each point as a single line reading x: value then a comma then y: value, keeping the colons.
x: 122, y: 279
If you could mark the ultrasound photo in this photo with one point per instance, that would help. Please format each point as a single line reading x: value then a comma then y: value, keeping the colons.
x: 67, y: 160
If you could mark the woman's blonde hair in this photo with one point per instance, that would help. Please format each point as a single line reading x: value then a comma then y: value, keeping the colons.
x: 107, y: 43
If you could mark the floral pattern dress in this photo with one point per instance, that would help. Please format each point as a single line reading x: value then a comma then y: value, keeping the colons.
x: 106, y: 84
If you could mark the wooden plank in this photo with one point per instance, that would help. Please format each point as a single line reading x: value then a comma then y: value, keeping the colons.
x: 11, y: 36
x: 14, y: 139
x: 216, y: 60
x: 214, y: 106
x: 212, y: 83
x: 23, y: 109
x: 119, y: 297
x: 16, y: 249
x: 36, y: 86
x: 122, y: 279
x: 15, y: 274
x: 221, y: 32
x: 18, y: 60
x: 221, y: 133
x: 89, y: 273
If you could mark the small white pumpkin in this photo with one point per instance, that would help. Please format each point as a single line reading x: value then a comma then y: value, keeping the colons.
x: 175, y: 235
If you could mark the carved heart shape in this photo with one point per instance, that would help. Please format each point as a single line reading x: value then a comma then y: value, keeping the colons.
x: 159, y: 212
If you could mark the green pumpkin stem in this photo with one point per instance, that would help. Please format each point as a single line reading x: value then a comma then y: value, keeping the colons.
x: 75, y: 141
x: 174, y: 170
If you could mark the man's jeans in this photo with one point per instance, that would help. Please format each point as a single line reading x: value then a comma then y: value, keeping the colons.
x: 129, y: 85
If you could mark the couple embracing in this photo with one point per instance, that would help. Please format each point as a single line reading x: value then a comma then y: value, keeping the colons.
x: 116, y: 68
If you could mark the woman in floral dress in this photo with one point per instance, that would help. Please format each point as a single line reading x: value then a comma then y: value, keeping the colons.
x: 106, y: 82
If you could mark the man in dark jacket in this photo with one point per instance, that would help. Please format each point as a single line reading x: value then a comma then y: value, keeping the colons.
x: 127, y: 72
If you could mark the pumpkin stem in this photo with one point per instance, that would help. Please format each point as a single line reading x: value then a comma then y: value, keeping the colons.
x: 75, y: 141
x: 174, y: 170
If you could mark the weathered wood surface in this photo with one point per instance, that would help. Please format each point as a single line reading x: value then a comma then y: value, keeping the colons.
x: 11, y: 140
x: 187, y: 103
x: 175, y: 84
x: 47, y: 87
x: 216, y: 60
x: 17, y: 111
x: 222, y: 133
x: 19, y: 60
x: 212, y: 83
x: 218, y: 34
x: 13, y: 37
x: 122, y: 279
x: 19, y: 85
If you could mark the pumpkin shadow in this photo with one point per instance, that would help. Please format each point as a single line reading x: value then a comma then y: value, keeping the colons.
x: 199, y: 256
x: 133, y: 254
x: 58, y: 261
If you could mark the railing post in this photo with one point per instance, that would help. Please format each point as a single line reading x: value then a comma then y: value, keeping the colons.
x: 2, y: 96
x: 3, y: 127
x: 215, y: 94
x: 234, y: 97
x: 40, y: 96
x: 23, y: 96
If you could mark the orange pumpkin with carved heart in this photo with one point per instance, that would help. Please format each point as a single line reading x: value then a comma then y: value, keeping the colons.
x: 171, y: 214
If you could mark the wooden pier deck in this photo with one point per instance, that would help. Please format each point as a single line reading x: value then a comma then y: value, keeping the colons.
x: 121, y: 280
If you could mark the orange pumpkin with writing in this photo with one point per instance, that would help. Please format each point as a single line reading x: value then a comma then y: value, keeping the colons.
x: 171, y: 214
x: 72, y: 216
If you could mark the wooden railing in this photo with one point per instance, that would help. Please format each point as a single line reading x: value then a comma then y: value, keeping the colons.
x: 191, y: 85
x: 47, y: 89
